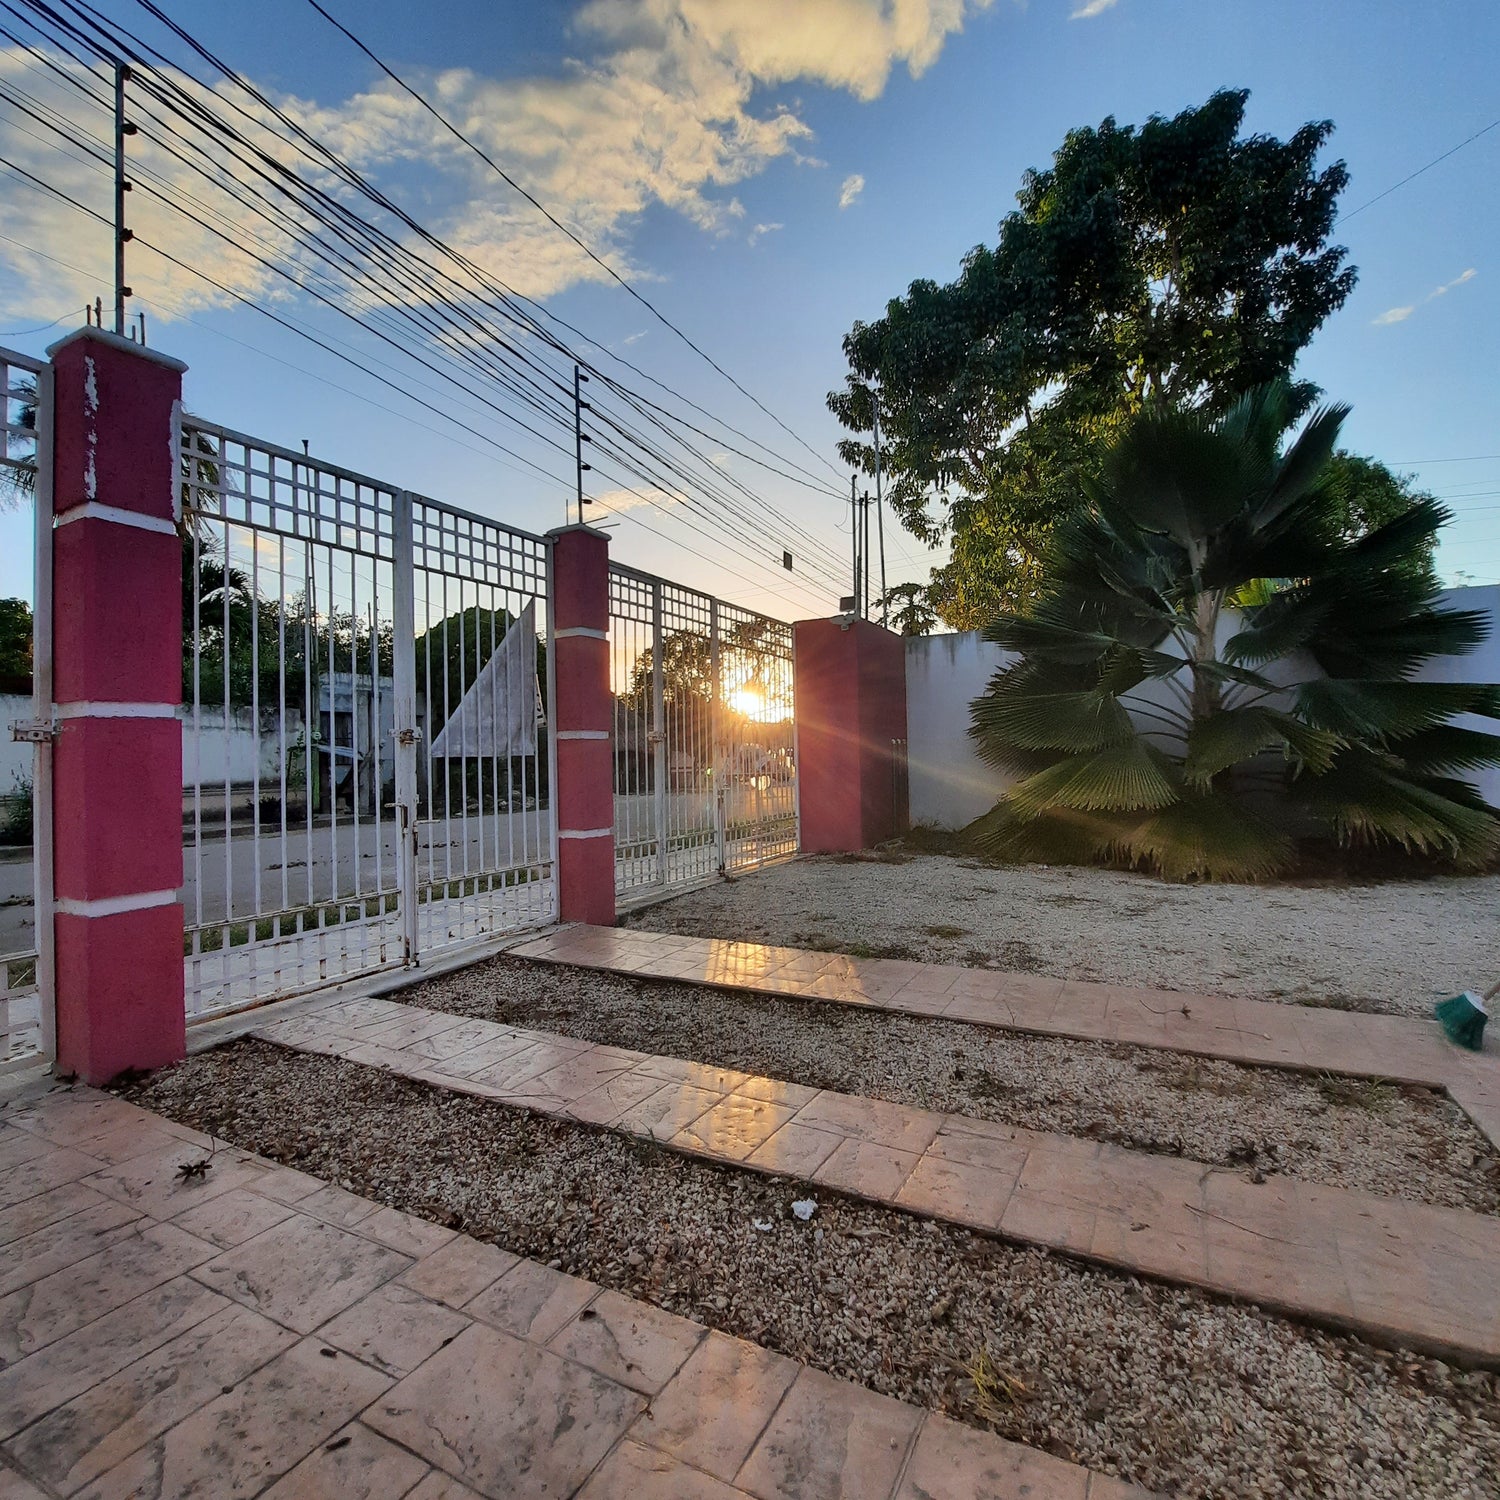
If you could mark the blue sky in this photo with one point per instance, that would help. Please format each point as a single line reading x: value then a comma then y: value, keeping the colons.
x: 768, y: 171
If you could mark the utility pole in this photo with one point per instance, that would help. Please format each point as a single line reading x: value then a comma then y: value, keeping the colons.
x: 864, y: 552
x: 854, y: 535
x: 580, y: 437
x: 123, y: 128
x: 880, y: 513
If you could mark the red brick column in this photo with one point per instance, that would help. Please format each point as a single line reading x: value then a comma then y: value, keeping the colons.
x: 850, y: 693
x: 581, y: 726
x: 117, y: 680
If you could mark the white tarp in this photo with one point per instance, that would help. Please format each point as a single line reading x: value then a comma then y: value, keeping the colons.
x: 497, y: 716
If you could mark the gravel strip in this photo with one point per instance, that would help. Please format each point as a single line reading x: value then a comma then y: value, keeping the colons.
x: 1403, y: 1142
x: 1395, y: 947
x: 1167, y: 1387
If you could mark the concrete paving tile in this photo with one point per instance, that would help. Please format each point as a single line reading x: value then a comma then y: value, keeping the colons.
x: 354, y: 1464
x: 41, y: 1174
x: 72, y: 1116
x: 487, y: 1054
x: 1041, y: 1219
x: 336, y: 1206
x: 90, y: 1434
x: 404, y: 1232
x: 14, y: 1487
x: 532, y: 1301
x: 774, y: 1091
x: 394, y: 1329
x: 459, y: 1271
x: 1001, y: 1148
x: 17, y: 1146
x: 301, y: 1272
x: 795, y: 1150
x: 721, y: 1400
x: 57, y: 1305
x: 581, y: 1074
x: 411, y: 1026
x: 951, y: 1459
x: 867, y: 1169
x: 986, y: 1010
x: 666, y: 1112
x: 454, y: 1041
x: 232, y: 1217
x: 154, y: 1184
x: 734, y: 1128
x: 522, y: 1067
x: 872, y: 1120
x: 57, y: 1246
x: 262, y: 1427
x: 1107, y: 1487
x: 440, y: 1486
x: 958, y: 1191
x: 33, y: 1386
x: 830, y: 1441
x: 628, y: 1341
x: 633, y: 1472
x: 512, y: 1421
x: 606, y: 1104
x: 286, y: 1184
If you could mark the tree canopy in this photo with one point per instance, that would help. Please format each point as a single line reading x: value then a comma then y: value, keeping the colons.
x: 1180, y: 262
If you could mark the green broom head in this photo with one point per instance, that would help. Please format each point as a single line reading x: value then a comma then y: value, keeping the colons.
x: 1463, y: 1018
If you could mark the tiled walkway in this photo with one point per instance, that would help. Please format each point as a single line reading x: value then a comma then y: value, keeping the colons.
x: 1397, y: 1272
x: 255, y: 1331
x: 1248, y: 1031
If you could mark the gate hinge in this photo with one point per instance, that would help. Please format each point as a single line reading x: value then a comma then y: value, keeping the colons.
x: 408, y: 736
x: 656, y: 737
x: 35, y: 731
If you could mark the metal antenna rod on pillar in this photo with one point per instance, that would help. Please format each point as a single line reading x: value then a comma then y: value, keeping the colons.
x: 864, y: 552
x: 123, y: 128
x: 580, y: 437
x: 880, y: 515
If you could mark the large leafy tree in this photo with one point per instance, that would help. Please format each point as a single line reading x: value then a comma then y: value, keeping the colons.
x: 1181, y: 262
x: 1150, y: 721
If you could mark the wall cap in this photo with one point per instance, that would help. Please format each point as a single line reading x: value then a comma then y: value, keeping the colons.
x: 94, y: 335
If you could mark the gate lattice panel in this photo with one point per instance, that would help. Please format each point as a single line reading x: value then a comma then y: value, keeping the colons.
x: 704, y: 755
x: 330, y: 827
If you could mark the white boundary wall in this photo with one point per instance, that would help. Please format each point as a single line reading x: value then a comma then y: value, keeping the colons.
x: 951, y: 785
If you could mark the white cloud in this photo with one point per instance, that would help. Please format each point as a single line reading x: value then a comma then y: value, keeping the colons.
x: 761, y: 230
x: 854, y: 185
x: 1092, y: 8
x: 633, y: 338
x: 660, y: 109
x: 1401, y: 314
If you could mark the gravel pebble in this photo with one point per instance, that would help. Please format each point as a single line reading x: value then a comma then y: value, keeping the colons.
x: 1395, y: 947
x: 1344, y: 1132
x: 1166, y: 1387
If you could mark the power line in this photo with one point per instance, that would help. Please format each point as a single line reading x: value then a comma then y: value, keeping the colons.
x: 550, y: 217
x: 1412, y: 176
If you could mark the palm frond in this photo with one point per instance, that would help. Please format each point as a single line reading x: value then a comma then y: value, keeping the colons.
x: 1211, y: 837
x: 1233, y: 735
x: 1051, y: 721
x: 1364, y: 710
x: 1119, y: 778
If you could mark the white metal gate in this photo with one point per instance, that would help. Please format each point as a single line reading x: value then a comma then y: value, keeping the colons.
x: 704, y: 751
x: 361, y: 787
x: 26, y: 968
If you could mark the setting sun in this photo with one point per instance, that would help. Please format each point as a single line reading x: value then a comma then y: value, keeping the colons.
x: 749, y: 701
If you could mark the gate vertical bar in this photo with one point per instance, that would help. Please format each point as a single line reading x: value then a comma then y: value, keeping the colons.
x: 549, y: 855
x: 404, y: 717
x: 716, y: 734
x: 41, y: 712
x: 659, y: 757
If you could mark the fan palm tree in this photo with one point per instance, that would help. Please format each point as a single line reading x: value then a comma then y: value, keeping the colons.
x: 1215, y: 671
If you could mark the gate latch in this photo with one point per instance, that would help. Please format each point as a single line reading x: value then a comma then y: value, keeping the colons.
x: 656, y: 737
x: 35, y: 731
x: 408, y: 736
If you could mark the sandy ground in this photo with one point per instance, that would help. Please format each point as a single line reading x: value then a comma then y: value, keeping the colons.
x: 1394, y: 947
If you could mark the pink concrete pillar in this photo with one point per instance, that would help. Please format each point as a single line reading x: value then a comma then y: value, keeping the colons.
x: 582, y: 726
x: 850, y: 693
x: 117, y: 684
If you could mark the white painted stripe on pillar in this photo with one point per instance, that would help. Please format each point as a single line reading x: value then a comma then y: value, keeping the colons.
x: 583, y: 734
x: 94, y: 510
x: 575, y: 632
x: 585, y: 833
x: 83, y: 710
x: 114, y: 906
